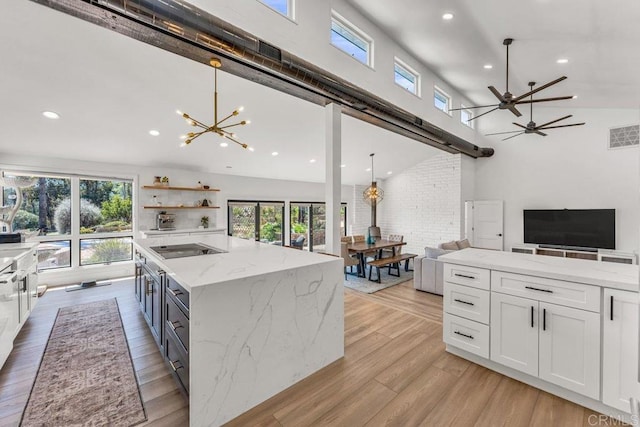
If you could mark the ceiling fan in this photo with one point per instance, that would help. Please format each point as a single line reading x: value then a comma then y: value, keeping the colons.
x: 531, y: 127
x: 508, y: 101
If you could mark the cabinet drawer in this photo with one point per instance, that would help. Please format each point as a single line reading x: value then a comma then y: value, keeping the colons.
x: 178, y: 360
x: 178, y: 323
x: 569, y: 294
x: 468, y: 276
x: 180, y: 294
x: 467, y: 302
x: 466, y: 334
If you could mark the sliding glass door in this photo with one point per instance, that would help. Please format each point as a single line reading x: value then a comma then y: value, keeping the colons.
x: 309, y: 220
x: 256, y: 220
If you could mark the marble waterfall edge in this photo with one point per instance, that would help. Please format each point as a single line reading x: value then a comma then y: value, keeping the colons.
x: 261, y: 335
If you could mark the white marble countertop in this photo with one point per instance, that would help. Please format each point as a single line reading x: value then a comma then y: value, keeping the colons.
x: 10, y: 251
x: 244, y: 258
x: 183, y: 230
x: 605, y: 274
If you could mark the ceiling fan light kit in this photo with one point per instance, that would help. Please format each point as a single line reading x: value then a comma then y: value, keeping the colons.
x: 216, y: 126
x: 507, y: 101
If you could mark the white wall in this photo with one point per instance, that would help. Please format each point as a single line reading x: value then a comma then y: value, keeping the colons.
x: 570, y: 168
x: 308, y: 37
x: 424, y: 203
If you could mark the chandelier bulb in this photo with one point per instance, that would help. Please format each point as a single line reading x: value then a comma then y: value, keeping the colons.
x: 191, y: 122
x: 240, y: 108
x: 183, y: 144
x: 178, y: 112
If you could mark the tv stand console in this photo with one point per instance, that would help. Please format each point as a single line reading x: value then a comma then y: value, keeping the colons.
x: 604, y: 255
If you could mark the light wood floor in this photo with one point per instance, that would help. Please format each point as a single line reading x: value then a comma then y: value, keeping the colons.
x: 162, y: 399
x: 395, y: 372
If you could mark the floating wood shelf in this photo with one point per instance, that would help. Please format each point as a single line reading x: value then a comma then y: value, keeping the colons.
x: 166, y: 187
x: 181, y: 207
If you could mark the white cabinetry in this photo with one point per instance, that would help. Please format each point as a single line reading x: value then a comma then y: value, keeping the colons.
x: 514, y: 332
x: 620, y: 348
x: 570, y: 348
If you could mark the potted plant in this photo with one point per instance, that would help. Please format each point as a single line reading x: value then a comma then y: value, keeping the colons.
x: 204, y: 221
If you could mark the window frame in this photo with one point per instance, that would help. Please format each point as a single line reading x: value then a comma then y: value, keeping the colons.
x: 357, y: 33
x: 290, y: 9
x: 397, y: 62
x: 465, y: 109
x: 436, y: 91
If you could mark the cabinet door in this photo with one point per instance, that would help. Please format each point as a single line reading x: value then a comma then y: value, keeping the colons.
x: 620, y: 349
x: 514, y: 332
x: 156, y: 311
x: 570, y: 348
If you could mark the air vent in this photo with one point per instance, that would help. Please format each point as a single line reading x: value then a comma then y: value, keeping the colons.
x: 271, y: 51
x: 623, y: 137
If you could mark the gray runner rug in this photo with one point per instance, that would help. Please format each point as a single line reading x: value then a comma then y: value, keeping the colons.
x: 86, y: 375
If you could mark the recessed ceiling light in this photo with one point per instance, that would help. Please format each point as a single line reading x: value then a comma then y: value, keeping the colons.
x: 224, y: 144
x: 154, y: 132
x: 275, y: 153
x: 389, y: 173
x: 367, y: 170
x: 312, y: 161
x: 252, y: 149
x: 447, y: 16
x: 562, y: 61
x: 488, y: 66
x: 343, y: 166
x: 51, y: 115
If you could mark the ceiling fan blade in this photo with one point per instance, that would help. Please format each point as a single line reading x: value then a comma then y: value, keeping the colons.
x: 554, y: 121
x: 519, y: 125
x: 540, y: 133
x: 502, y: 133
x: 480, y: 115
x: 555, y: 98
x: 496, y: 93
x: 470, y: 108
x: 509, y: 137
x: 562, y: 126
x: 515, y: 111
x: 538, y: 89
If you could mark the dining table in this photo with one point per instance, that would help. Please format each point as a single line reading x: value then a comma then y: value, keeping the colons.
x: 362, y: 248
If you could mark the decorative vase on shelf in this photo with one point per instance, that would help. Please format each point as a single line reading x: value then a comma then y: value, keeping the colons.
x: 157, y: 180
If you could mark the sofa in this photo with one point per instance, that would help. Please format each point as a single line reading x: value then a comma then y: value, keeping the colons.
x: 427, y: 270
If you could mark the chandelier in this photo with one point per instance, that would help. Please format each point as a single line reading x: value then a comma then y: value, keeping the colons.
x: 216, y: 127
x: 373, y: 195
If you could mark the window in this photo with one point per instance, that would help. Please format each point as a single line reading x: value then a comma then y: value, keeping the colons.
x: 90, y: 218
x: 351, y: 40
x: 407, y: 78
x: 441, y: 100
x: 309, y: 220
x: 261, y: 221
x: 465, y: 116
x: 283, y: 7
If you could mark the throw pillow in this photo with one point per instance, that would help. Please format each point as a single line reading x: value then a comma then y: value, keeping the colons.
x: 449, y: 246
x: 463, y: 244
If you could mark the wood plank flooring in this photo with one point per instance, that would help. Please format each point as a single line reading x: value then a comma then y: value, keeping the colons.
x: 164, y: 404
x: 395, y: 372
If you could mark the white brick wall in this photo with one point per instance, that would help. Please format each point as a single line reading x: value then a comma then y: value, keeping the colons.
x: 422, y: 203
x: 360, y: 214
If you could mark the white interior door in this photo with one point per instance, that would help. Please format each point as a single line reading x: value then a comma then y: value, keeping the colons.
x: 488, y: 224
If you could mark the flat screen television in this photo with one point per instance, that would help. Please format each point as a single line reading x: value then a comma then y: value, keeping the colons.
x: 580, y: 228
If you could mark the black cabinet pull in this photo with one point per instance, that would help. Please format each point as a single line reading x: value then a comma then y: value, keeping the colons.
x: 538, y: 289
x: 465, y: 276
x: 544, y: 319
x: 532, y: 316
x: 464, y: 335
x: 611, y: 308
x: 463, y: 302
x: 174, y: 325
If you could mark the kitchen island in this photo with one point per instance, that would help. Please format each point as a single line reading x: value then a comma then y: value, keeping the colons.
x: 566, y: 326
x: 259, y: 319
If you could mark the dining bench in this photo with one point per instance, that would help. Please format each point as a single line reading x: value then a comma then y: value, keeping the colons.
x: 393, y: 263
